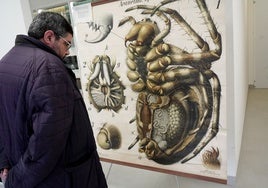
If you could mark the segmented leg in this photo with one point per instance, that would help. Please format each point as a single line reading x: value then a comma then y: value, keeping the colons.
x: 213, y: 127
x: 206, y: 54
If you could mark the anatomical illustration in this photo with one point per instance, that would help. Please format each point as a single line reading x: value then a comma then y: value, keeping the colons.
x: 100, y: 28
x: 109, y: 137
x: 154, y: 80
x: 177, y: 110
x: 210, y: 158
x: 105, y: 90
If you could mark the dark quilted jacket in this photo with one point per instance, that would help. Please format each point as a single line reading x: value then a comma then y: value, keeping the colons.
x: 45, y: 134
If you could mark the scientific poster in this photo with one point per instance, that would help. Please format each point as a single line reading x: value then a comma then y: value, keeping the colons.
x: 153, y: 76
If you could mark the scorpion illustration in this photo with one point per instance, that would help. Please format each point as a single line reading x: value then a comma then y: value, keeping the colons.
x: 177, y: 110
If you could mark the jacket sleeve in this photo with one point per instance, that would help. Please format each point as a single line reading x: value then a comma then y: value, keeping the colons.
x: 51, y: 107
x: 3, y: 160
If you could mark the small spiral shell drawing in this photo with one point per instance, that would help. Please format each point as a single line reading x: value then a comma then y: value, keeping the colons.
x: 109, y: 137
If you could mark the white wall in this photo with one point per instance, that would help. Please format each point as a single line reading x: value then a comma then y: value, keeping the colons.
x: 13, y: 21
x: 251, y: 29
x: 232, y: 163
x: 260, y: 38
x: 237, y: 79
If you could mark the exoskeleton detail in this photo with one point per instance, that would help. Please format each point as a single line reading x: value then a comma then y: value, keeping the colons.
x: 177, y: 110
x: 105, y: 89
x: 101, y: 28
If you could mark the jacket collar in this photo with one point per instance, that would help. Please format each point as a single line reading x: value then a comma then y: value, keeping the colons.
x: 32, y: 42
x: 35, y: 43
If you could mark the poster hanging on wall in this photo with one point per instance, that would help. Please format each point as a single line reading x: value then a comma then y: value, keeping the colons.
x: 153, y: 76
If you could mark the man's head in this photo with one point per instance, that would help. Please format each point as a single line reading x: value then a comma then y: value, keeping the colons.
x: 53, y: 30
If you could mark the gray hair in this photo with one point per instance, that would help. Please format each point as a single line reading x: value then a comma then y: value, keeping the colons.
x: 49, y: 21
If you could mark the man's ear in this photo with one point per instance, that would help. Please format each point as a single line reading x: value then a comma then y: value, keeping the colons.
x: 49, y: 37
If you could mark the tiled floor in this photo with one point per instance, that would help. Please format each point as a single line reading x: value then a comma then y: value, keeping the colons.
x: 253, y: 164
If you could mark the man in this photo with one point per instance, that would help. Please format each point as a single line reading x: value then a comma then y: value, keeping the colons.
x: 46, y: 139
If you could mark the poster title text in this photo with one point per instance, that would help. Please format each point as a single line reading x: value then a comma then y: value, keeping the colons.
x: 132, y: 2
